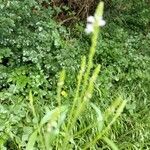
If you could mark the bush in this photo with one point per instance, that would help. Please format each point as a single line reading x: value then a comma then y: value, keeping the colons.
x: 33, y: 48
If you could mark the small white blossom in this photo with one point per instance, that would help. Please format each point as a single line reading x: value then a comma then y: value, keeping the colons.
x: 90, y: 19
x: 89, y: 28
x: 90, y: 23
x: 101, y: 23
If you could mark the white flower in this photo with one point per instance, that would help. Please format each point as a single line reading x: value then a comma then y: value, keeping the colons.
x: 90, y: 19
x: 89, y: 28
x: 101, y: 22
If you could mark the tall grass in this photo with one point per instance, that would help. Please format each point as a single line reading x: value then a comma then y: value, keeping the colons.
x: 81, y: 124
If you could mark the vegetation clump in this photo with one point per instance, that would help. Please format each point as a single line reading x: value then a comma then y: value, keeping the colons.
x: 102, y: 102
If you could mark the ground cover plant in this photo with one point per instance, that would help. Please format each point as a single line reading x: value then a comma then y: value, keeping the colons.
x: 35, y: 45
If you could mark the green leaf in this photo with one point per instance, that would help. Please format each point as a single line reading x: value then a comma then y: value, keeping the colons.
x: 53, y: 115
x: 110, y: 143
x: 32, y: 141
x: 99, y: 116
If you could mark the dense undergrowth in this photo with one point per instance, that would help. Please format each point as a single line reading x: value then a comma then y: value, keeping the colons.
x: 35, y: 47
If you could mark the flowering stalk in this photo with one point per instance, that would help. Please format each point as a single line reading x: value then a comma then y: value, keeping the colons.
x: 81, y: 99
x: 96, y: 21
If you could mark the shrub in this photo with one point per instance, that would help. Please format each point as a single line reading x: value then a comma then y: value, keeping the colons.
x: 33, y: 48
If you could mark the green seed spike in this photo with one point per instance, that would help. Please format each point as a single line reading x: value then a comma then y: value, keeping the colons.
x: 99, y: 10
x: 98, y: 14
x: 60, y: 85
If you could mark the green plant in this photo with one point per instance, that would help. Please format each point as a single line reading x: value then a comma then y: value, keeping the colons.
x: 48, y: 131
x: 34, y: 46
x: 82, y: 95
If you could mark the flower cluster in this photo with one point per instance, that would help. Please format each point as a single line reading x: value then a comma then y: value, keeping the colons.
x: 90, y: 23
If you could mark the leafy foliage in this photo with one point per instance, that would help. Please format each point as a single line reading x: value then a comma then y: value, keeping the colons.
x: 34, y: 47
